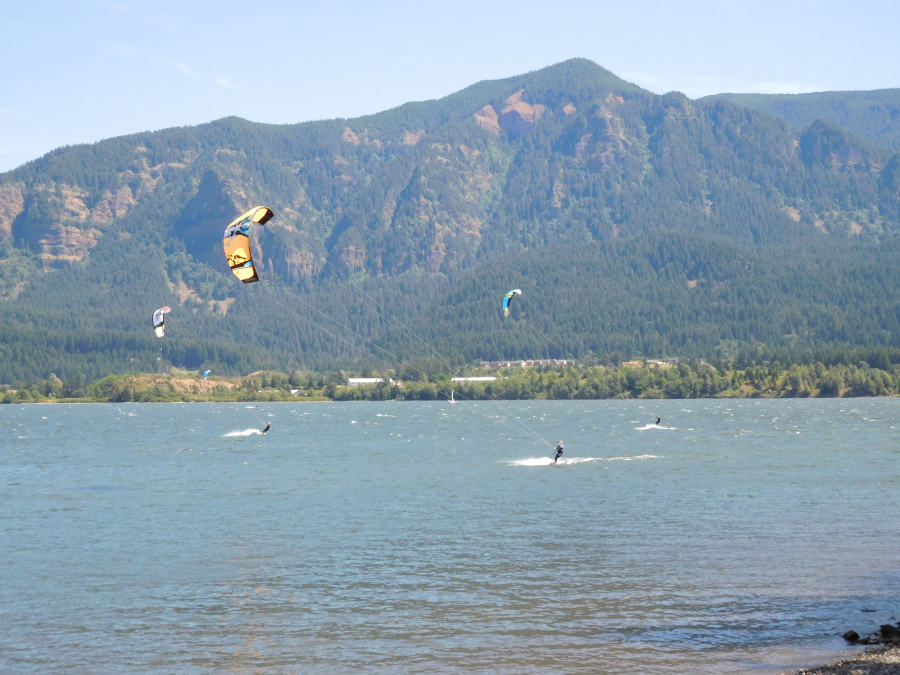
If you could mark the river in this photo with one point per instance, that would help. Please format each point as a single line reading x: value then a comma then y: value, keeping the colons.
x: 734, y: 537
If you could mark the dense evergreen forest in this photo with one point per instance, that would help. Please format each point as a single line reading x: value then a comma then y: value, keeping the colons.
x: 873, y: 115
x: 636, y: 225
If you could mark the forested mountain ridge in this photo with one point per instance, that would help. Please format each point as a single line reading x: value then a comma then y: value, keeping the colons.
x: 873, y: 115
x: 416, y: 202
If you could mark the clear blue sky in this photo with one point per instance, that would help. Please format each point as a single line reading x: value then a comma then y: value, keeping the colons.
x: 81, y: 70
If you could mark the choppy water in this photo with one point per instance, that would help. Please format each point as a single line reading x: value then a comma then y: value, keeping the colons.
x: 426, y: 538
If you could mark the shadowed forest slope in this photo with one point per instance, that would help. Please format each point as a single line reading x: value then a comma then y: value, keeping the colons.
x: 873, y: 115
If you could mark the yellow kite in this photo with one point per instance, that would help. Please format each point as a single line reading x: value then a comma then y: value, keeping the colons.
x: 237, y: 242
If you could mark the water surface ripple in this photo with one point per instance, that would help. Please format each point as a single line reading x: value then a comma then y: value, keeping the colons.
x: 745, y: 536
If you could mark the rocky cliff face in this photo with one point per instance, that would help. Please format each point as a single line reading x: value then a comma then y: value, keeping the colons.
x: 827, y: 145
x: 487, y: 119
x: 63, y: 245
x: 60, y: 221
x: 519, y: 117
x: 298, y: 265
x: 12, y: 203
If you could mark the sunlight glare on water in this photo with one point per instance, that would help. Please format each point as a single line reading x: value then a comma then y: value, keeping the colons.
x: 734, y: 537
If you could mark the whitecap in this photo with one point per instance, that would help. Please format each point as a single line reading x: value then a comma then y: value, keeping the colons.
x: 245, y: 432
x: 548, y: 461
x: 632, y: 458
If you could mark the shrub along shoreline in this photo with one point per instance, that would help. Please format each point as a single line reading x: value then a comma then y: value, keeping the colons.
x: 635, y: 380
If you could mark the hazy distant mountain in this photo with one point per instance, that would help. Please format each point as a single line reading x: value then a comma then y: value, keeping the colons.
x: 705, y: 221
x: 873, y: 115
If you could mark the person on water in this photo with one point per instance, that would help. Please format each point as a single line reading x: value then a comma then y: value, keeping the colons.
x: 658, y: 419
x: 268, y: 426
x: 559, y: 451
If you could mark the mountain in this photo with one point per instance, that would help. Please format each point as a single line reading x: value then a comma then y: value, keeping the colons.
x: 634, y: 223
x: 872, y: 115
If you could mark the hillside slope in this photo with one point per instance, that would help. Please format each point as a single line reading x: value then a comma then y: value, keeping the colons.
x: 518, y: 177
x: 669, y: 294
x: 873, y: 115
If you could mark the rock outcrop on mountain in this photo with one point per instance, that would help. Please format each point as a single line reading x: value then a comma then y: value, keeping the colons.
x: 827, y: 145
x: 519, y: 117
x: 488, y: 119
x: 63, y: 245
x: 12, y: 203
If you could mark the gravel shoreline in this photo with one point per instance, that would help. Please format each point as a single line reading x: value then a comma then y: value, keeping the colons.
x: 878, y: 661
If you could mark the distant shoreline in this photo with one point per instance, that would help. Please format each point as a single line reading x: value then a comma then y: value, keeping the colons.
x: 646, y: 381
x: 304, y: 400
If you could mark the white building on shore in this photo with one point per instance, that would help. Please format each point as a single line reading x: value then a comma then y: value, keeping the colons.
x: 357, y: 381
x: 529, y: 362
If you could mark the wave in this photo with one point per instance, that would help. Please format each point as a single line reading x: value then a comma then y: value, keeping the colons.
x: 632, y: 458
x: 547, y: 461
x: 245, y: 432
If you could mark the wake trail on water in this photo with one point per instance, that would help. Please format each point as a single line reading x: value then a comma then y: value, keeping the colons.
x: 547, y: 461
x: 655, y: 426
x: 245, y: 432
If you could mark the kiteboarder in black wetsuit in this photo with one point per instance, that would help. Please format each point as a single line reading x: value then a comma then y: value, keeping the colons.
x: 268, y: 426
x: 658, y: 419
x: 559, y: 452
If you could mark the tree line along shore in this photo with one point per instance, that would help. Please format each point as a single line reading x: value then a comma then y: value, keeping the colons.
x: 633, y: 380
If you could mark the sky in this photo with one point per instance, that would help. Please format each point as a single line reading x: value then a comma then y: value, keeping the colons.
x: 78, y: 71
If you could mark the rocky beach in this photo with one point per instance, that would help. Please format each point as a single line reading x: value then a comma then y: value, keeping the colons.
x: 879, y: 661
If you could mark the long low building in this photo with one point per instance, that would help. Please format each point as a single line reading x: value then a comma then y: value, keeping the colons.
x: 473, y: 379
x: 357, y: 381
x: 529, y: 362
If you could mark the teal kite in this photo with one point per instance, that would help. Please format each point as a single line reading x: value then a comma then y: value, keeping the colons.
x: 507, y: 298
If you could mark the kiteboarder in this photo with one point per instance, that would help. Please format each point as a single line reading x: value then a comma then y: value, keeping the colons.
x: 658, y: 419
x: 559, y: 451
x: 268, y: 426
